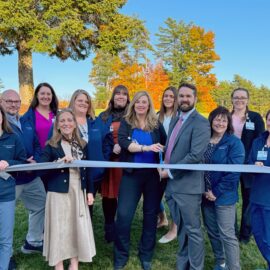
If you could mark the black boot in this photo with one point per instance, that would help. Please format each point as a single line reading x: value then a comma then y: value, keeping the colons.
x: 109, y: 232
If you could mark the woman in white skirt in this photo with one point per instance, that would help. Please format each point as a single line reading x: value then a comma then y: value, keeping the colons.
x: 68, y: 229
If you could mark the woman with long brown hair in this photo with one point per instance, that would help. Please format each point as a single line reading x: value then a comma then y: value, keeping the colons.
x: 168, y: 110
x: 112, y: 117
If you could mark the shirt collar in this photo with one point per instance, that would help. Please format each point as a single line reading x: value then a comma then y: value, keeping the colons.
x: 185, y: 115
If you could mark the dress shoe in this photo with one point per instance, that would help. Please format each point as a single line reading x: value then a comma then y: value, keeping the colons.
x: 165, y: 240
x: 12, y: 264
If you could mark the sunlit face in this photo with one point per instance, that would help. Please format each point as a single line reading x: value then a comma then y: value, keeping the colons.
x: 141, y: 106
x: 81, y: 104
x: 66, y: 124
x: 44, y: 96
x: 168, y: 99
x: 240, y: 100
x: 11, y: 102
x: 120, y: 99
x: 186, y: 99
x: 268, y: 123
x: 220, y: 124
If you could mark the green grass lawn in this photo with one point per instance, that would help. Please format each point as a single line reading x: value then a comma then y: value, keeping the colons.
x: 164, y: 258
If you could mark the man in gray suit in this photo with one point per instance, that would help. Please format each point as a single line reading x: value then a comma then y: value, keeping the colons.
x: 188, y: 137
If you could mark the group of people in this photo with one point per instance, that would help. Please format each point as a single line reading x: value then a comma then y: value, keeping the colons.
x: 60, y: 201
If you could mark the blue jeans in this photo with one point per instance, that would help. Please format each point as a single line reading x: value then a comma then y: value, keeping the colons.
x: 133, y: 185
x: 219, y: 221
x: 260, y: 223
x: 7, y: 213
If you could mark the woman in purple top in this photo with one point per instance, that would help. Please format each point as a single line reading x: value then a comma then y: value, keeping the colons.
x: 42, y: 111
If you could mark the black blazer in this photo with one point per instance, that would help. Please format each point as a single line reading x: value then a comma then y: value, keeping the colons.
x: 58, y: 179
x: 125, y: 139
x: 249, y: 135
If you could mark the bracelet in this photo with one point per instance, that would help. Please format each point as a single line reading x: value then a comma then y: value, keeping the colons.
x: 142, y: 148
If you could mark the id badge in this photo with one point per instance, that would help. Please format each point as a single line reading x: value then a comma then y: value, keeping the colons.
x: 262, y: 155
x: 250, y: 125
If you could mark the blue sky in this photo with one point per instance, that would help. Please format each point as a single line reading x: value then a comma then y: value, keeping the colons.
x: 242, y: 38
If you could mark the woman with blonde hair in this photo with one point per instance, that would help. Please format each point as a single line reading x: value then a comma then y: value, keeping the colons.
x: 141, y: 139
x: 68, y: 229
x: 93, y: 131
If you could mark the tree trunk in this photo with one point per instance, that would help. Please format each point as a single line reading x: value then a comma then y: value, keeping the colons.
x: 25, y: 74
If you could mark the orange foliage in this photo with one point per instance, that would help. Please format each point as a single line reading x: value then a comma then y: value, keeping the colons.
x: 156, y: 81
x: 63, y: 104
x: 136, y: 77
x: 205, y: 85
x: 130, y: 75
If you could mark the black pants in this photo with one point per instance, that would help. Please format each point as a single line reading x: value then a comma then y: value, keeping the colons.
x: 245, y: 227
x: 133, y: 185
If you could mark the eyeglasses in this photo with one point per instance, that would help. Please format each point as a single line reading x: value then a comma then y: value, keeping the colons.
x: 239, y: 98
x: 10, y: 102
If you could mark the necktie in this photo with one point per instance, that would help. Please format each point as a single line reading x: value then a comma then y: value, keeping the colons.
x: 172, y: 139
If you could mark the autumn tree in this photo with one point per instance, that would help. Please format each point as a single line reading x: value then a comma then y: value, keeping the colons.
x: 63, y: 28
x: 156, y: 80
x: 188, y: 53
x: 106, y: 63
x: 129, y: 73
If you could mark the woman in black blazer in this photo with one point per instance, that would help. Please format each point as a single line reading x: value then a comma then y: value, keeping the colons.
x: 248, y: 125
x: 68, y: 228
x: 141, y: 139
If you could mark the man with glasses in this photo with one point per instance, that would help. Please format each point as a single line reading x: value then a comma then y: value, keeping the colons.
x: 29, y: 188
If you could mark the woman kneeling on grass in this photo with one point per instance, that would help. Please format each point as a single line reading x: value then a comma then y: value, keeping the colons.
x: 68, y: 228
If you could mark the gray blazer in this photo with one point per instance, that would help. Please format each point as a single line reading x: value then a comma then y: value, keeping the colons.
x: 190, y: 145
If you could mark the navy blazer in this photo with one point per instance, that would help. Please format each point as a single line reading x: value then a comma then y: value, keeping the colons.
x: 260, y: 187
x: 58, y: 179
x: 229, y: 150
x: 248, y: 135
x: 125, y: 139
x: 100, y: 145
x: 32, y: 147
x: 12, y: 151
